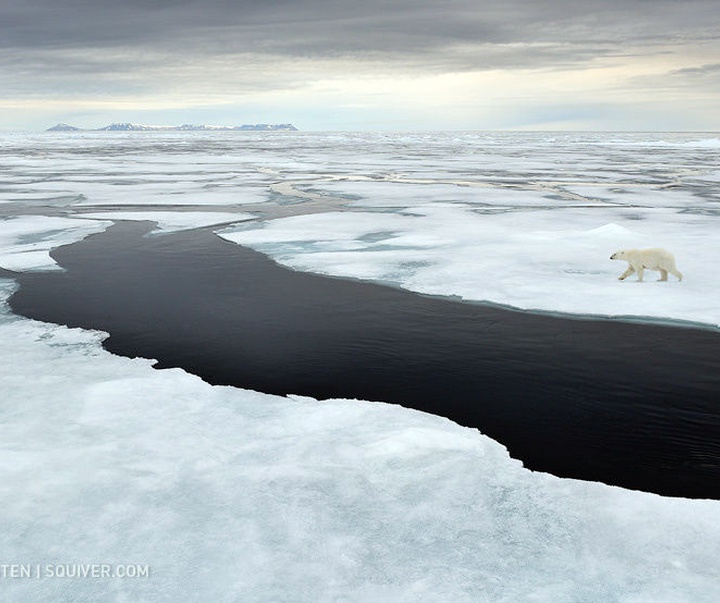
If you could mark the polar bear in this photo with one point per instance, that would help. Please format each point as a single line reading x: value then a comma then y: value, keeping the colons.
x: 647, y: 259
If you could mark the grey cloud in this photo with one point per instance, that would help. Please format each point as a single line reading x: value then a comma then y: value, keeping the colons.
x: 690, y: 81
x: 711, y: 70
x: 704, y: 77
x: 48, y: 39
x: 338, y: 26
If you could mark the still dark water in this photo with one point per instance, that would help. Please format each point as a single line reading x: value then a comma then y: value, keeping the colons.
x: 626, y: 404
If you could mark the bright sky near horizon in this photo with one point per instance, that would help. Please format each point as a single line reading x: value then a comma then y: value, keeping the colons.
x: 372, y: 65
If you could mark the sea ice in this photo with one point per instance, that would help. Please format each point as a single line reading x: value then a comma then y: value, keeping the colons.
x: 508, y: 218
x: 26, y: 241
x: 232, y: 495
x: 539, y: 259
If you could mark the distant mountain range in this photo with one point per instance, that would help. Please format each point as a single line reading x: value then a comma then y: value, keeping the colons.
x: 128, y: 127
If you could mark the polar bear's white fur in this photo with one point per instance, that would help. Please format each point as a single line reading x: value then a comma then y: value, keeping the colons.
x: 647, y: 259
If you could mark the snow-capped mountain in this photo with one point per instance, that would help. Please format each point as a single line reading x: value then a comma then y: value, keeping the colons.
x: 130, y: 127
x: 63, y: 128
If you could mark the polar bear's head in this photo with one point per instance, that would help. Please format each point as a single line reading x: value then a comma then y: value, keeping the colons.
x: 618, y: 255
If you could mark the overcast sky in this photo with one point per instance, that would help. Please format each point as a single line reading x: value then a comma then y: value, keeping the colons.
x: 363, y: 64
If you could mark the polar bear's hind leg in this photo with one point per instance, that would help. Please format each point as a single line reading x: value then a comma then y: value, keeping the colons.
x: 640, y: 271
x: 663, y: 275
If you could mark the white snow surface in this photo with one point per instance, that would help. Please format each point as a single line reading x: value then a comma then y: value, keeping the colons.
x: 232, y: 495
x: 26, y: 241
x: 549, y: 260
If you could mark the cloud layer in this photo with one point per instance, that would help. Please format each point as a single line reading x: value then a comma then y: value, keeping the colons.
x: 212, y: 52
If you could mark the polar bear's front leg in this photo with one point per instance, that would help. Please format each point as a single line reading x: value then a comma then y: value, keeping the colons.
x: 627, y: 273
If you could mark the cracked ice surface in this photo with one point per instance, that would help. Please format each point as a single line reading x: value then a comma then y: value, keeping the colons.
x: 231, y: 495
x: 500, y: 226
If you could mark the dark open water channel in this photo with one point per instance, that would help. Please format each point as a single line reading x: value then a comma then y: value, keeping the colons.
x: 633, y: 405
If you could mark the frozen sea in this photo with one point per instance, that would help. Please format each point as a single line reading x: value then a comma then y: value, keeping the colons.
x: 228, y: 494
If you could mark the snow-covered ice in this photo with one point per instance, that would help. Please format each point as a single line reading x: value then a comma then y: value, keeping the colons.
x: 232, y: 495
x: 530, y: 223
x: 524, y: 220
x: 549, y: 260
x: 26, y: 241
